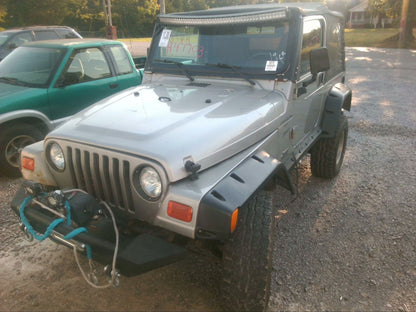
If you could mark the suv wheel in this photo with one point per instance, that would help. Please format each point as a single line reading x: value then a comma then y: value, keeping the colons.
x: 13, y: 139
x: 327, y: 154
x: 247, y: 256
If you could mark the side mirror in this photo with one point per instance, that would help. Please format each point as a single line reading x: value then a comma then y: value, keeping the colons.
x: 68, y: 79
x: 319, y: 60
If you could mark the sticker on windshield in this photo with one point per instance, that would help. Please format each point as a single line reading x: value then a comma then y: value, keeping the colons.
x: 271, y: 66
x: 164, y: 39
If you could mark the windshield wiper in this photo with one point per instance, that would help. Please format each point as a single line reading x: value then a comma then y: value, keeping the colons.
x: 10, y: 80
x: 235, y: 69
x: 179, y: 64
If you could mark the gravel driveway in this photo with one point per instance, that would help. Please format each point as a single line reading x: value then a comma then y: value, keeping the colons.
x: 343, y: 244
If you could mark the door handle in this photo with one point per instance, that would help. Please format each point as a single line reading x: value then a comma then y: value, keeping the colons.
x: 113, y: 85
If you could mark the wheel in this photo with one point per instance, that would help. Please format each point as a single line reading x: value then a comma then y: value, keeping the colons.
x: 327, y: 154
x: 247, y: 256
x: 13, y: 139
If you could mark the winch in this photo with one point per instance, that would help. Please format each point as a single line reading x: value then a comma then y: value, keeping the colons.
x: 75, y: 219
x: 78, y: 210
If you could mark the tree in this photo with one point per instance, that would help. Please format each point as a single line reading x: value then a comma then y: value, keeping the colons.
x: 35, y: 12
x: 393, y: 9
x: 86, y: 15
x: 3, y: 11
x: 407, y: 23
x: 134, y: 18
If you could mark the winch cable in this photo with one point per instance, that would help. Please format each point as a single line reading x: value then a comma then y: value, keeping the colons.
x: 113, y: 267
x: 30, y: 229
x: 71, y: 235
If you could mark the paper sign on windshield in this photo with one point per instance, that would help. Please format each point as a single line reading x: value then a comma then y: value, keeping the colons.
x: 164, y: 39
x: 271, y: 66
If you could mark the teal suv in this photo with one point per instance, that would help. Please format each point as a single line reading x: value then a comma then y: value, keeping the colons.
x: 43, y: 83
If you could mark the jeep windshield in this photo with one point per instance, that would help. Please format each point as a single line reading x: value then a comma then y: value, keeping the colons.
x: 253, y: 50
x: 30, y: 66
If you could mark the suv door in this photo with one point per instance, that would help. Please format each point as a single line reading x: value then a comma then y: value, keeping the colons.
x: 310, y: 90
x: 86, y: 78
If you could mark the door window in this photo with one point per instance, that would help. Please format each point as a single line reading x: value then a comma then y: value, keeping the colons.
x: 86, y: 65
x: 123, y: 65
x: 66, y: 33
x: 46, y: 35
x: 312, y: 39
x: 20, y: 39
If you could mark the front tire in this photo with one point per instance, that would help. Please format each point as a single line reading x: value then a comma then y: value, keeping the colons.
x: 327, y: 154
x: 247, y: 256
x: 13, y: 139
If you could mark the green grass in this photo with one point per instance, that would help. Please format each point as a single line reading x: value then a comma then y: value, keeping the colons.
x: 127, y: 40
x: 379, y: 38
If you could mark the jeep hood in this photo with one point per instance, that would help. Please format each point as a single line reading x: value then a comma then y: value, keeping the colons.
x: 172, y: 123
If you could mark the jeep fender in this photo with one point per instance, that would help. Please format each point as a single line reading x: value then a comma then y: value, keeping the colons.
x: 41, y: 173
x: 233, y: 191
x: 27, y: 114
x: 339, y: 98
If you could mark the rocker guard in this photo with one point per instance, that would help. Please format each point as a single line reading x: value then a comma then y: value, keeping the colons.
x: 136, y: 255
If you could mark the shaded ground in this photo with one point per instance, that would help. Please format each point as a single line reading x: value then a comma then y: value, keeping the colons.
x: 344, y: 244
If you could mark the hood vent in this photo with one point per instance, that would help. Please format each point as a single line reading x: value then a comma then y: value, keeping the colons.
x: 196, y: 84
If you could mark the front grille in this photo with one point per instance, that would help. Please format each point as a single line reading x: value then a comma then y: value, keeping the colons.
x: 105, y: 177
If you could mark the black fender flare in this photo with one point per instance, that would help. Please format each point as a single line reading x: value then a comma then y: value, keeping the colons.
x: 338, y: 99
x: 233, y: 191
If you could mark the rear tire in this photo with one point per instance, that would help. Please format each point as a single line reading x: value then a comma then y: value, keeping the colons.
x: 247, y: 256
x: 13, y: 139
x: 327, y: 154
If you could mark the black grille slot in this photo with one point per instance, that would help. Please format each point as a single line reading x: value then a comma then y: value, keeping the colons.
x: 103, y: 177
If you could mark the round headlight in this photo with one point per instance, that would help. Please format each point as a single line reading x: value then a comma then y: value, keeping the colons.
x: 150, y: 182
x: 56, y: 156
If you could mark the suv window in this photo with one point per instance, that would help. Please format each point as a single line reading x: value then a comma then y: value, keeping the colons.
x: 46, y: 35
x: 66, y: 33
x: 123, y: 65
x: 335, y: 50
x: 20, y: 39
x: 87, y: 65
x: 312, y: 39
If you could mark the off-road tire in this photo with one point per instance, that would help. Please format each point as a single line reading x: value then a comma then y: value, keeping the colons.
x: 247, y: 256
x: 20, y: 133
x: 327, y: 154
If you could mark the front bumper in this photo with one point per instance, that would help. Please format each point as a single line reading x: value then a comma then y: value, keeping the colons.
x: 136, y: 255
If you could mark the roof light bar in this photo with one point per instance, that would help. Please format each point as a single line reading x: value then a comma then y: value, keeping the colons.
x: 227, y: 19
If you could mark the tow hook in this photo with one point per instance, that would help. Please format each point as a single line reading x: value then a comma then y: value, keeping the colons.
x: 28, y: 236
x: 109, y: 272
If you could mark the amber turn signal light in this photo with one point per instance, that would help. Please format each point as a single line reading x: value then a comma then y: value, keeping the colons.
x: 179, y: 211
x: 234, y: 218
x: 28, y: 163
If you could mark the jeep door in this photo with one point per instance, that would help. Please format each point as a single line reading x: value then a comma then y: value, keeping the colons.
x: 86, y: 78
x: 310, y: 90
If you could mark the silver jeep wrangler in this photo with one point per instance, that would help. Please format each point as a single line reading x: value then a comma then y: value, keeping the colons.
x: 232, y: 99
